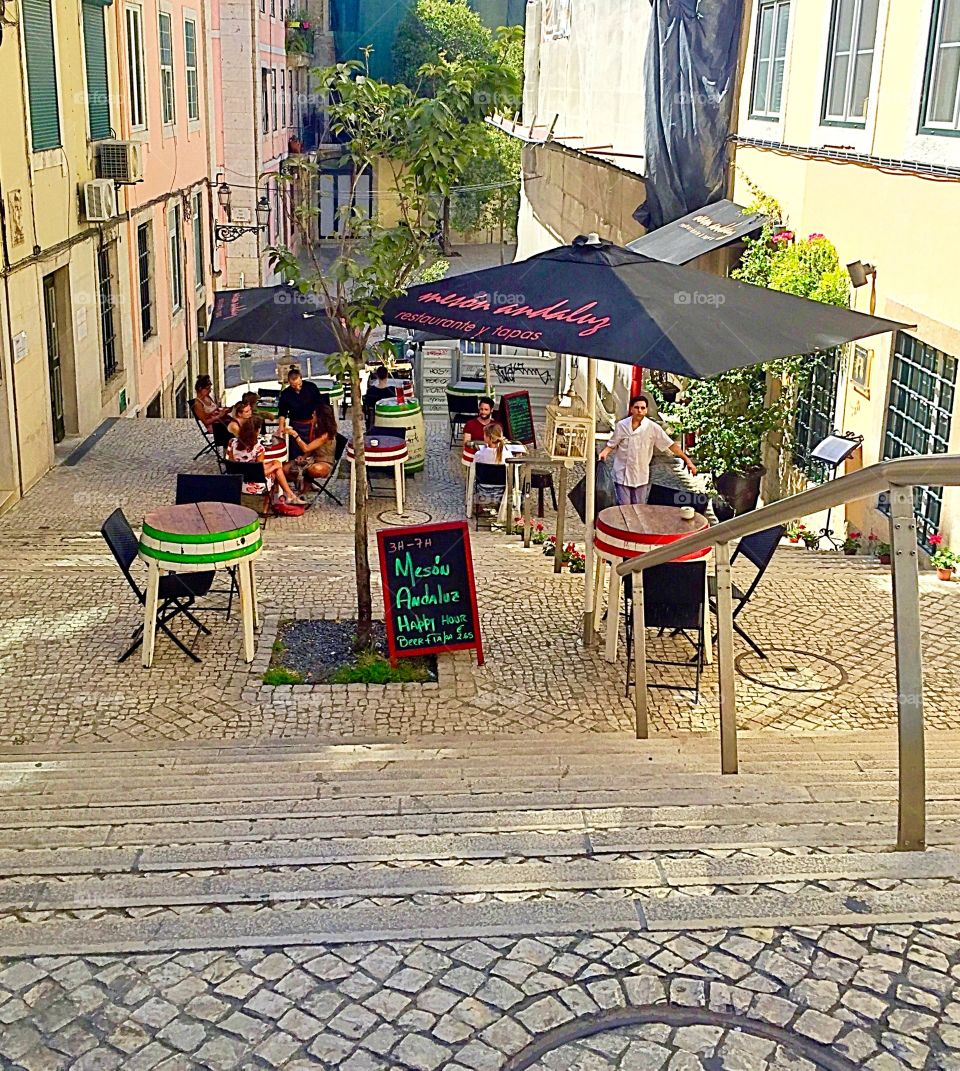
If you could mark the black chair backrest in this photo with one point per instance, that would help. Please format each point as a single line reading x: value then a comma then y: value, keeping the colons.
x: 677, y: 496
x: 123, y: 543
x: 249, y: 471
x: 387, y: 433
x: 338, y: 450
x: 489, y: 475
x: 759, y: 547
x: 463, y: 404
x: 674, y: 594
x: 191, y: 488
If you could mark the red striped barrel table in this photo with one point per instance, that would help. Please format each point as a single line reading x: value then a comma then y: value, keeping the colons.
x: 623, y: 532
x: 274, y: 448
x: 380, y: 451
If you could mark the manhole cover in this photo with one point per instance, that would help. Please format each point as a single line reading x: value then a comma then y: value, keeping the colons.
x: 398, y: 520
x: 787, y: 669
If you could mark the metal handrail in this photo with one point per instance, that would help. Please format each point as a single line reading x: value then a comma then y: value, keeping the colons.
x: 936, y: 469
x: 899, y: 478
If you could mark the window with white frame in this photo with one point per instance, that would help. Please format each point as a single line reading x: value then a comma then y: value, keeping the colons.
x: 283, y: 98
x: 175, y: 232
x: 264, y: 100
x: 168, y: 106
x: 273, y: 97
x: 190, y: 66
x: 941, y: 90
x: 196, y: 210
x: 136, y: 82
x: 853, y: 34
x: 770, y: 58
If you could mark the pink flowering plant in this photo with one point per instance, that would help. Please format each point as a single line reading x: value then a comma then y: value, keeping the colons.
x: 942, y: 557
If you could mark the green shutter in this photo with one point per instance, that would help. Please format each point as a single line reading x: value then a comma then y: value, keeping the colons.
x: 41, y: 74
x: 95, y: 55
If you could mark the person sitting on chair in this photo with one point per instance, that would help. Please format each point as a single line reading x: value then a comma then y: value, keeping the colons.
x: 246, y: 447
x: 377, y: 391
x: 208, y: 410
x: 476, y: 426
x: 239, y: 414
x: 495, y: 450
x: 633, y: 442
x: 316, y: 458
x: 297, y: 403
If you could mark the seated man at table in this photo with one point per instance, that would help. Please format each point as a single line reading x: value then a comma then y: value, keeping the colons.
x: 476, y: 426
x: 377, y: 391
x: 632, y: 443
x: 296, y: 406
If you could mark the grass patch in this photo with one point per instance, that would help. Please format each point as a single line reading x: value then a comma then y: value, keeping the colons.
x: 373, y: 668
x: 281, y: 675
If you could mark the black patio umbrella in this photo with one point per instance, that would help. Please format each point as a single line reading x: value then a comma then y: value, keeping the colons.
x: 271, y: 316
x: 596, y: 299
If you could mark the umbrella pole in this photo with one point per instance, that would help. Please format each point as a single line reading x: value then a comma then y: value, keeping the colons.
x: 589, y: 581
x: 486, y: 367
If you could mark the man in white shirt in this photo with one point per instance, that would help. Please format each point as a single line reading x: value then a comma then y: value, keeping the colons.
x: 632, y: 443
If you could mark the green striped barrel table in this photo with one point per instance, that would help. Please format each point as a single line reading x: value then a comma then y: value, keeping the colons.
x: 195, y: 538
x: 405, y: 419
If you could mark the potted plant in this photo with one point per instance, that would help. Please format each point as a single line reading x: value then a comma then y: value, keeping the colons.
x: 539, y: 536
x: 872, y: 542
x: 883, y: 553
x: 852, y: 544
x: 942, y: 559
x: 811, y: 540
x: 578, y: 562
x: 794, y: 530
x: 550, y: 546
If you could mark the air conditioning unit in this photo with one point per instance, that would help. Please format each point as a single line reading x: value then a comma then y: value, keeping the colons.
x: 119, y: 161
x: 99, y: 200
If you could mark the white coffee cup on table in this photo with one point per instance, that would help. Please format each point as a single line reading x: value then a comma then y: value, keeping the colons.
x: 687, y: 513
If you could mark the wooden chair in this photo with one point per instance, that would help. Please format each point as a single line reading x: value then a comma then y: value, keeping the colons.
x: 178, y: 592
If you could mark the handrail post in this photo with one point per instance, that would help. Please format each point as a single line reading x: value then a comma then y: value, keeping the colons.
x: 911, y: 810
x: 729, y: 763
x: 639, y: 660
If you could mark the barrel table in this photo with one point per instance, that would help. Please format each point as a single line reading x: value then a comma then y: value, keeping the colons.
x: 407, y: 420
x: 195, y: 538
x: 623, y: 532
x: 380, y: 452
x: 332, y: 389
x: 274, y: 447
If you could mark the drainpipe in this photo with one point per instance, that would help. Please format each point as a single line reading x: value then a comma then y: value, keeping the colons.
x: 746, y: 16
x: 9, y: 325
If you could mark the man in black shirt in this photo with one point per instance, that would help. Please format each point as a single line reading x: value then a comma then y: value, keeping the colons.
x: 296, y: 406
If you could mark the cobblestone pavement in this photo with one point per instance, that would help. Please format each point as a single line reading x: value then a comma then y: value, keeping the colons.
x: 824, y: 618
x: 883, y: 998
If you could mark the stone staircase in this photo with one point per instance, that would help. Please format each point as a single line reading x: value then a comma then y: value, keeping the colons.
x: 261, y: 844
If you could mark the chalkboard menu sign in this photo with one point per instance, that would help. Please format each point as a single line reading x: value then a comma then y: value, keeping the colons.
x: 517, y: 418
x: 428, y: 589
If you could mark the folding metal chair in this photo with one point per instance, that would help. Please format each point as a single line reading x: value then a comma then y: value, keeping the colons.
x: 758, y: 549
x: 489, y: 484
x: 320, y: 483
x: 191, y: 488
x: 677, y: 496
x: 178, y: 592
x: 252, y: 472
x: 674, y: 597
x: 212, y: 445
x: 461, y: 408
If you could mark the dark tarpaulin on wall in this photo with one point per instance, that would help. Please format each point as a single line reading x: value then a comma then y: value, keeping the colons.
x: 690, y: 79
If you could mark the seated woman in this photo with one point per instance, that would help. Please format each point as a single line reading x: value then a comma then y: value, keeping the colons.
x: 239, y: 414
x: 246, y: 447
x: 496, y: 451
x: 208, y: 410
x: 316, y: 456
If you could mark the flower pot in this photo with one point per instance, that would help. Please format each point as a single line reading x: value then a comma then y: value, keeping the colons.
x: 883, y: 559
x: 741, y: 489
x: 945, y: 574
x: 793, y: 539
x: 850, y: 553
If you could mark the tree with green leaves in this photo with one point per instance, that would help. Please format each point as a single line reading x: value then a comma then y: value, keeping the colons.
x: 434, y: 27
x: 427, y: 143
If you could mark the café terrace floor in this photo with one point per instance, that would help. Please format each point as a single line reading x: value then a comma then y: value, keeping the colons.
x: 66, y: 613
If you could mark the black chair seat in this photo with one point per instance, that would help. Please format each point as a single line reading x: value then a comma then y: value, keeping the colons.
x: 320, y: 484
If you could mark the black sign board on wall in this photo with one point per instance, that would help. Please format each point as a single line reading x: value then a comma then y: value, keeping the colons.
x: 516, y: 416
x: 428, y: 590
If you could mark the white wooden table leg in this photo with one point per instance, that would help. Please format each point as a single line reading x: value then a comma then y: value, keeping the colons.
x: 598, y: 588
x: 150, y: 613
x: 708, y: 626
x: 253, y: 592
x: 471, y: 478
x: 613, y: 615
x: 353, y: 487
x: 246, y: 609
x: 398, y: 476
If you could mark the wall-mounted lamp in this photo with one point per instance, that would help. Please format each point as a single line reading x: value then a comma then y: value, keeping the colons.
x: 230, y: 232
x: 859, y: 274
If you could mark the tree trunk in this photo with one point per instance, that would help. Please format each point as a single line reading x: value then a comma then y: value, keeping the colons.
x: 360, y: 549
x: 447, y: 247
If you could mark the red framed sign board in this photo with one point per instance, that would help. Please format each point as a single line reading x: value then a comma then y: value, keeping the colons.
x: 429, y: 593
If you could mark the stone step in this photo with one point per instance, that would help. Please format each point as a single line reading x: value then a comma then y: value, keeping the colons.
x: 338, y: 880
x: 267, y: 926
x: 78, y: 828
x: 404, y: 846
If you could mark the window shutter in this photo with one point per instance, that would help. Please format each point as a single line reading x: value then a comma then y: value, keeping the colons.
x: 41, y: 74
x: 95, y: 55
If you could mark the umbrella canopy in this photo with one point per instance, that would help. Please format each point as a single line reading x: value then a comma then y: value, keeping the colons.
x: 596, y: 299
x: 271, y: 316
